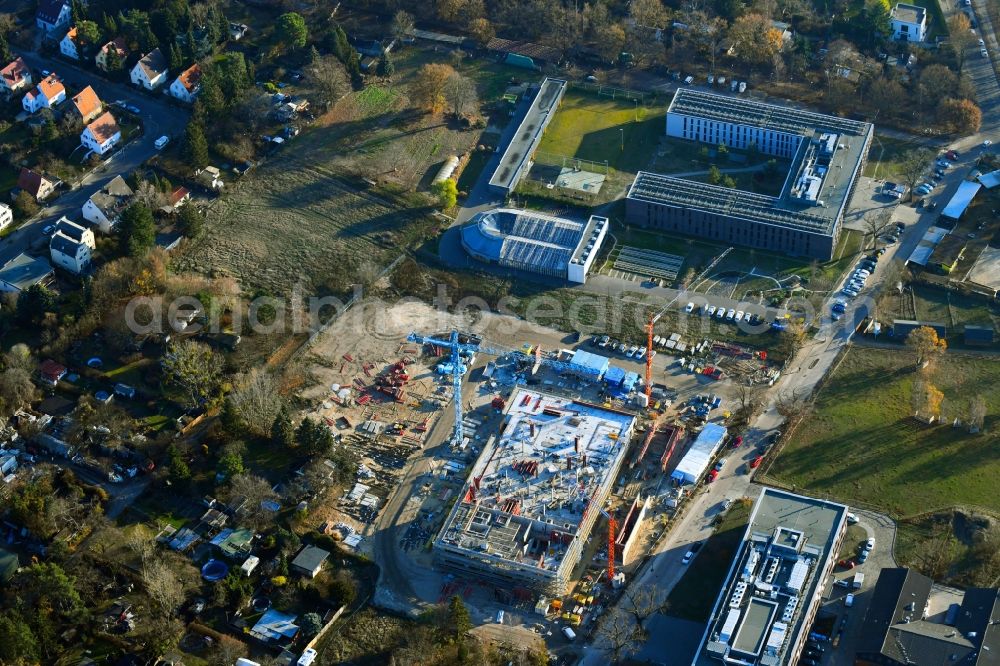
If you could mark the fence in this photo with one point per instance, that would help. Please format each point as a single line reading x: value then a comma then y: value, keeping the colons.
x: 611, y: 91
x: 567, y: 162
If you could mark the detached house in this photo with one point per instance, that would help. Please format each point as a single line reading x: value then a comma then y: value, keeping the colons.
x: 35, y: 184
x: 49, y: 92
x: 71, y: 246
x: 104, y: 207
x: 908, y: 22
x: 68, y: 46
x: 87, y: 104
x: 15, y: 76
x: 53, y: 15
x: 187, y: 86
x: 118, y: 46
x: 151, y: 70
x: 101, y: 135
x: 7, y: 216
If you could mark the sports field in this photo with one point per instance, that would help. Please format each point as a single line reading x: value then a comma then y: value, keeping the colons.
x: 622, y: 132
x: 861, y: 445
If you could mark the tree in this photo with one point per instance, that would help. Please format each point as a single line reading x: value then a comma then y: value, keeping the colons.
x: 16, y: 389
x: 913, y: 166
x: 195, y: 146
x: 18, y: 644
x: 314, y: 437
x: 961, y: 115
x: 460, y: 92
x: 888, y: 95
x: 458, y: 619
x: 255, y: 490
x: 926, y: 399
x: 113, y: 61
x: 385, y: 68
x: 449, y: 10
x: 25, y: 205
x: 255, y: 400
x: 177, y: 57
x: 402, y: 25
x: 714, y: 175
x: 231, y: 464
x: 428, y: 87
x: 618, y: 633
x: 649, y: 13
x: 446, y: 192
x: 282, y: 430
x: 937, y: 82
x: 189, y: 220
x: 233, y: 74
x: 925, y: 345
x: 877, y: 223
x: 482, y: 31
x: 310, y: 624
x: 291, y: 30
x: 960, y: 36
x: 227, y: 651
x: 610, y: 42
x: 195, y: 369
x: 33, y: 303
x: 88, y: 34
x: 162, y: 586
x: 136, y: 230
x: 728, y: 181
x: 755, y: 40
x: 977, y: 413
x: 328, y: 77
x: 5, y: 55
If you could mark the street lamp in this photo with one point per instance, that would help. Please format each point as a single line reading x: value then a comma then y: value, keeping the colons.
x: 621, y: 130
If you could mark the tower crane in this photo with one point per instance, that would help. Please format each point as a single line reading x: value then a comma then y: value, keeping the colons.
x: 649, y: 344
x: 612, y: 529
x: 460, y: 349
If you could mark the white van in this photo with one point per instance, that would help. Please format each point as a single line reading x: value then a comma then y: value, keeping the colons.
x: 569, y: 634
x: 162, y: 141
x: 307, y: 658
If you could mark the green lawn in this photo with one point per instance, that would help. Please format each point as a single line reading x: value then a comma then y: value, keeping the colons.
x: 930, y: 303
x: 470, y: 174
x: 884, y: 156
x: 695, y: 594
x: 623, y: 133
x: 860, y: 444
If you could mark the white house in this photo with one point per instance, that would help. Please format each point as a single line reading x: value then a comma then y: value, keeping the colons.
x: 6, y: 215
x: 151, y: 70
x: 23, y: 271
x: 71, y: 246
x: 187, y: 86
x: 909, y: 23
x: 15, y: 76
x: 104, y: 207
x: 53, y: 15
x: 67, y: 45
x: 48, y: 93
x: 101, y: 135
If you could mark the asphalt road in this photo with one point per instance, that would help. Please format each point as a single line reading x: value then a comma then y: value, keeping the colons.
x: 158, y: 117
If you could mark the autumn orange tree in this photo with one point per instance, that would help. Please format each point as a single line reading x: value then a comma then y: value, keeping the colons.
x: 961, y: 115
x: 925, y: 344
x: 429, y: 85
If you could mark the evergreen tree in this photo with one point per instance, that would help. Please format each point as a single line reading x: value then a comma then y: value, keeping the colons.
x: 77, y: 11
x: 113, y: 61
x: 353, y: 67
x: 176, y: 57
x: 190, y: 45
x: 190, y: 221
x: 195, y: 146
x: 5, y: 55
x: 109, y: 26
x: 282, y: 432
x: 137, y: 231
x: 313, y: 56
x: 32, y: 304
x: 385, y: 67
x: 458, y: 618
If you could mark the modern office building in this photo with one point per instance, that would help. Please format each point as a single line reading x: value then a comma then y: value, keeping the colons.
x: 515, y: 161
x: 534, y: 494
x: 827, y: 156
x: 772, y: 592
x: 535, y: 242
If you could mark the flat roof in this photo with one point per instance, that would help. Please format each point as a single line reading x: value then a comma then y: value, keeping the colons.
x: 908, y: 13
x: 773, y: 580
x: 743, y: 111
x: 528, y: 134
x: 23, y: 271
x: 532, y: 486
x: 959, y: 202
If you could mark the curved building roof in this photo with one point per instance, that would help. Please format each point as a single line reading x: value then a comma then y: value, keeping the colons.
x: 524, y: 239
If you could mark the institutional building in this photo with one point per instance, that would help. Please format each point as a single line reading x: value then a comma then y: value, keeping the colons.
x: 827, y: 155
x: 534, y: 494
x: 773, y: 590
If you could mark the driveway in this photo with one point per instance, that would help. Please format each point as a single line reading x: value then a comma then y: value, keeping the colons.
x: 158, y: 118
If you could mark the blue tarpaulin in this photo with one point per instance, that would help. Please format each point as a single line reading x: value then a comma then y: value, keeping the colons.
x: 614, y: 376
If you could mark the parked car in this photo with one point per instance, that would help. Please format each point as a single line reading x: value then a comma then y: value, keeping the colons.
x: 843, y: 582
x: 731, y: 314
x: 743, y: 86
x: 932, y: 205
x: 852, y: 519
x: 847, y: 291
x: 688, y: 556
x: 849, y: 600
x: 738, y: 441
x: 721, y: 314
x: 710, y: 310
x: 987, y: 143
x: 641, y: 353
x: 870, y: 544
x: 689, y: 308
x: 739, y: 315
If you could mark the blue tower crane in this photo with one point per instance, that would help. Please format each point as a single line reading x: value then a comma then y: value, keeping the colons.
x: 460, y: 349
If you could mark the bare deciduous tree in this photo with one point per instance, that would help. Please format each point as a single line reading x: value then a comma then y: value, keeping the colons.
x: 618, y: 634
x: 402, y: 24
x: 460, y: 92
x: 147, y: 193
x: 256, y: 401
x: 977, y: 413
x: 162, y: 586
x: 254, y: 490
x: 329, y: 78
x: 877, y: 223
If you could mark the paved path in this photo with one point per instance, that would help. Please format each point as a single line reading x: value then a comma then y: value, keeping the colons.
x: 158, y: 118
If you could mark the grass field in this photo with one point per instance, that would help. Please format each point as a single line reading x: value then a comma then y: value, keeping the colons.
x: 861, y: 445
x: 694, y: 595
x: 621, y: 132
x: 930, y: 303
x: 884, y: 157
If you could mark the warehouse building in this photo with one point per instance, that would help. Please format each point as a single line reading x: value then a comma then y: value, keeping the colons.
x: 516, y: 159
x: 827, y: 154
x: 535, y: 492
x: 535, y: 242
x: 698, y: 458
x: 773, y: 590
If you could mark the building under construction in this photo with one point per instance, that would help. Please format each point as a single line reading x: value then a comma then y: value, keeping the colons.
x: 535, y: 492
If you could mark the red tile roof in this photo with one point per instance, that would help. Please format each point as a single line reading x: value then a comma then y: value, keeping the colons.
x: 15, y: 72
x: 104, y: 127
x: 190, y: 78
x: 51, y: 370
x: 51, y: 86
x: 87, y: 103
x: 30, y: 181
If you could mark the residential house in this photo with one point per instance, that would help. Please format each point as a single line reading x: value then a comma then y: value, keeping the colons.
x: 68, y: 46
x: 237, y: 31
x: 104, y: 207
x: 309, y: 561
x: 71, y: 246
x: 87, y: 104
x: 908, y: 22
x: 35, y: 184
x: 211, y: 176
x: 24, y: 271
x: 6, y: 215
x: 101, y: 135
x: 48, y: 93
x: 50, y: 372
x: 187, y: 86
x: 151, y: 70
x: 118, y: 46
x: 15, y: 76
x: 177, y: 198
x: 53, y: 15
